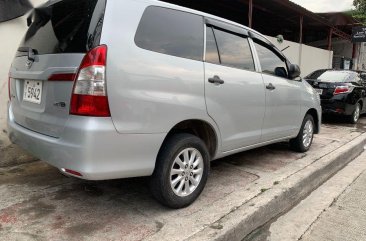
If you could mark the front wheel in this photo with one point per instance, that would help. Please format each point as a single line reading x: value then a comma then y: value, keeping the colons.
x: 356, y: 114
x: 304, y: 139
x: 181, y: 171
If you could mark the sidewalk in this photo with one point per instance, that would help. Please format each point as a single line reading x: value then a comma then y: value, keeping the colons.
x: 336, y: 211
x: 346, y: 218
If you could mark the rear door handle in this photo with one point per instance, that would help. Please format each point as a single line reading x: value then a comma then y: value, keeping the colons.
x: 216, y: 80
x: 270, y: 86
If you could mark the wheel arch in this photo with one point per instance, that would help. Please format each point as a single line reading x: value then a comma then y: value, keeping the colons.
x: 315, y: 116
x: 362, y: 104
x: 200, y: 128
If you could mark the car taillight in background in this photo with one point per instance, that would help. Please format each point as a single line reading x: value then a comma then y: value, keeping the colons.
x: 89, y: 97
x: 343, y: 90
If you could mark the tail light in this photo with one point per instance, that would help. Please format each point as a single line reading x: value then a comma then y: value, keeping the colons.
x: 89, y: 96
x: 343, y: 90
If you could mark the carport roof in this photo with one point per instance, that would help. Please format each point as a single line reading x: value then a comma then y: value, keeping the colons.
x: 271, y: 17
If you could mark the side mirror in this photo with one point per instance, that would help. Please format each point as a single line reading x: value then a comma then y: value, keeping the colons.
x: 294, y: 71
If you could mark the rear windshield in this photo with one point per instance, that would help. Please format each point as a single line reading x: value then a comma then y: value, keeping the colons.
x: 316, y: 74
x: 337, y: 76
x: 68, y: 26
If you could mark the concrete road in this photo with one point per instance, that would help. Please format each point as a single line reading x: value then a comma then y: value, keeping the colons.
x: 38, y: 203
x: 336, y: 211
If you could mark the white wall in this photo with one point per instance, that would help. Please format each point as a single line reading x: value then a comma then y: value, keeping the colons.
x: 307, y: 57
x: 11, y: 33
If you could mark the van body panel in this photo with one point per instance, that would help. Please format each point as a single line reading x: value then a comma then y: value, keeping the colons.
x: 149, y: 92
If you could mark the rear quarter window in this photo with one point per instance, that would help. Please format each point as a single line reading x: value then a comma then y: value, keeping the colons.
x: 171, y: 32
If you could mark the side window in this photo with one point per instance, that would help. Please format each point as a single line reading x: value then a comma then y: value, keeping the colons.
x: 212, y: 55
x: 270, y: 62
x: 171, y: 32
x: 234, y: 50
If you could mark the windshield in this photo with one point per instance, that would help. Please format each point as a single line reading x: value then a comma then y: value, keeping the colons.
x: 67, y: 26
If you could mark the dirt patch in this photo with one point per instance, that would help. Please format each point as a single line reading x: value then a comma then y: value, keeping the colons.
x: 83, y: 229
x: 13, y: 155
x: 38, y: 210
x: 36, y: 174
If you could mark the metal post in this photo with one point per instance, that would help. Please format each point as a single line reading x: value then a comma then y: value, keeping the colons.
x: 301, y: 28
x: 330, y: 39
x: 250, y: 14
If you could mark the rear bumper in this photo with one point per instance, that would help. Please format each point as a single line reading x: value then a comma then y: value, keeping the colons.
x: 92, y: 147
x: 332, y: 106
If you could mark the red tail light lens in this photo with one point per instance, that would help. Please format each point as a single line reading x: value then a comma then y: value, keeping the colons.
x: 75, y: 173
x: 62, y: 77
x: 89, y: 105
x: 89, y: 97
x: 343, y: 90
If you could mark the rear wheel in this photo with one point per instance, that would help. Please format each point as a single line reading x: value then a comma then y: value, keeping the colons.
x: 304, y: 139
x: 356, y: 114
x: 181, y: 171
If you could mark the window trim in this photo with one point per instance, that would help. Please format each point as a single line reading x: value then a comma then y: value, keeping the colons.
x: 218, y: 49
x: 263, y: 41
x: 270, y: 48
x: 227, y: 27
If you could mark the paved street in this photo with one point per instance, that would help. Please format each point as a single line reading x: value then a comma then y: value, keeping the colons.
x: 38, y: 203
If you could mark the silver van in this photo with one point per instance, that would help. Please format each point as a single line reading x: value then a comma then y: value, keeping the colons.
x: 107, y: 89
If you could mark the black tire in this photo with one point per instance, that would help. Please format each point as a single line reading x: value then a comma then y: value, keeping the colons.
x: 297, y: 144
x: 353, y: 119
x: 160, y: 183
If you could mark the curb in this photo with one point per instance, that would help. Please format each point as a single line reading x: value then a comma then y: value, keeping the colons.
x: 247, y: 218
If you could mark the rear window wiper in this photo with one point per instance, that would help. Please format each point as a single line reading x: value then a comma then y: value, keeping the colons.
x: 27, y: 51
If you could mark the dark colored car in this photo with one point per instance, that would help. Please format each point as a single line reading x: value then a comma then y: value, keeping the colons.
x: 342, y: 92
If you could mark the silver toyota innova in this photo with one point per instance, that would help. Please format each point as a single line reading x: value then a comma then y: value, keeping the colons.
x: 107, y: 89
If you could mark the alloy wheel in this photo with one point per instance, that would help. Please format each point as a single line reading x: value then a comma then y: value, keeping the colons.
x: 356, y: 113
x: 186, y: 172
x: 308, y: 133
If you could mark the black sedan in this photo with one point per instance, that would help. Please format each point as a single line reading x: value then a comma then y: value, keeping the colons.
x: 342, y: 92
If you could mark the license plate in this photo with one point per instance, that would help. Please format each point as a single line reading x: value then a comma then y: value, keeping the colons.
x: 320, y: 91
x: 33, y: 91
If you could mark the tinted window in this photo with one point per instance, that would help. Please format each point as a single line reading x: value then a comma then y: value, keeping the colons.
x: 234, y: 50
x: 270, y: 62
x: 171, y: 32
x: 68, y: 26
x: 212, y: 56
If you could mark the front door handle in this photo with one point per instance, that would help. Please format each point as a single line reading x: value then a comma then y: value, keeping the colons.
x: 216, y: 80
x: 270, y: 86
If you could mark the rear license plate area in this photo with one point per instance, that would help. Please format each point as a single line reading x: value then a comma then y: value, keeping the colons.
x: 32, y: 91
x: 319, y: 91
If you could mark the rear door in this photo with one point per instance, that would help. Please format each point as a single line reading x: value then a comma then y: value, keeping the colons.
x: 234, y: 90
x: 283, y: 96
x: 47, y: 60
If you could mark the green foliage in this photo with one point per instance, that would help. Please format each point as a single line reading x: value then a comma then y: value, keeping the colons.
x: 360, y: 5
x: 360, y: 12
